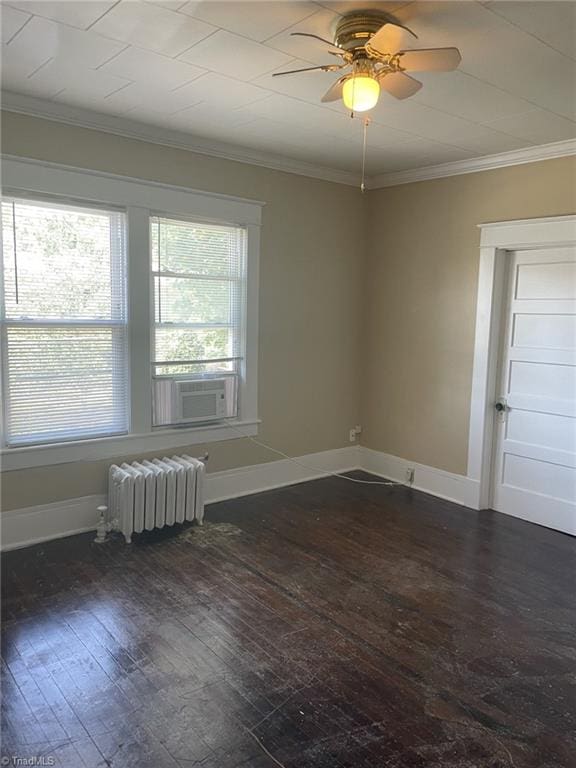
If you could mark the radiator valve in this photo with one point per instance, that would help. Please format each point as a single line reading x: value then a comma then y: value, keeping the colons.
x: 102, y: 527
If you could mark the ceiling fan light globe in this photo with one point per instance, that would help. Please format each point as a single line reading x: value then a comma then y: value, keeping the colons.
x: 360, y: 93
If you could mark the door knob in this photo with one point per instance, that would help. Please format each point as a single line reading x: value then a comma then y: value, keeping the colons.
x: 501, y: 407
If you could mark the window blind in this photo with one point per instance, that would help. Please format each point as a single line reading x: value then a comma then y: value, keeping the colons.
x: 64, y: 316
x: 199, y: 278
x: 199, y: 286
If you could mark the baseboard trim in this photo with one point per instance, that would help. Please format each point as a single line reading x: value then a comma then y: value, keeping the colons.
x: 437, y: 482
x: 243, y: 481
x: 71, y: 516
x: 33, y: 525
x: 66, y: 518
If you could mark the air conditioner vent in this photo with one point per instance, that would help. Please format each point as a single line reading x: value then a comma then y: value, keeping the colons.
x: 208, y: 385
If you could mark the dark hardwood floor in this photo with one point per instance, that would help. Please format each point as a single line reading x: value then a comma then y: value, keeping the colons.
x: 325, y: 625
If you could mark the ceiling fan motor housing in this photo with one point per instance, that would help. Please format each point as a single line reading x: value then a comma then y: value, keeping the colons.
x: 355, y: 29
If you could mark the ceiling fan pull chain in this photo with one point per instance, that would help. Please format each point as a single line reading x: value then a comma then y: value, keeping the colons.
x: 365, y: 133
x: 353, y: 81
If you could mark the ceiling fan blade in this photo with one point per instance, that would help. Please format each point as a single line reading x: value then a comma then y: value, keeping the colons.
x: 323, y: 68
x: 389, y: 38
x: 316, y: 37
x: 399, y: 84
x: 430, y: 59
x: 335, y: 91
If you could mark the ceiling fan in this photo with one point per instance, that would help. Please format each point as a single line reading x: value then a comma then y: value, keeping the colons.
x: 370, y: 46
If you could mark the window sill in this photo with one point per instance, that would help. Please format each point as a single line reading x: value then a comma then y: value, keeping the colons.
x: 122, y: 445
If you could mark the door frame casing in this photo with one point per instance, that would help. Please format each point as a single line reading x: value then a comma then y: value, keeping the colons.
x: 497, y: 240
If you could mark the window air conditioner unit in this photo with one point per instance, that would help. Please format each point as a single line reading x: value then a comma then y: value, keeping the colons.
x: 200, y: 400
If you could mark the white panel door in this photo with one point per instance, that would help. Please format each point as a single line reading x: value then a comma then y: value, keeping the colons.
x: 535, y: 458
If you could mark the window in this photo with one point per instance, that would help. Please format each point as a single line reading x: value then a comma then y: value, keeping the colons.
x: 123, y: 330
x: 199, y: 275
x: 64, y: 322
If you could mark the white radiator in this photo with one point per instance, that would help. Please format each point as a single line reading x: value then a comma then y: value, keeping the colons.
x: 151, y: 494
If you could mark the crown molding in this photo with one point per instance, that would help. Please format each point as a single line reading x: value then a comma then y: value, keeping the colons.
x: 120, y: 126
x: 475, y: 164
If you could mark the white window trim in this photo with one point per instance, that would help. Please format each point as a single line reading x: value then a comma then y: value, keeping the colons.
x: 142, y: 199
x: 497, y: 240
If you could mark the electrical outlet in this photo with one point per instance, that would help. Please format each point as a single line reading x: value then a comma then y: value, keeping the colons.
x: 358, y: 429
x: 352, y: 435
x: 410, y: 475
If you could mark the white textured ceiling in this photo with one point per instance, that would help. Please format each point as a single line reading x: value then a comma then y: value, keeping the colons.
x: 205, y: 69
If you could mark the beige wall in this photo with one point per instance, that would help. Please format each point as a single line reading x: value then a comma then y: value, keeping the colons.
x: 367, y: 303
x: 421, y: 286
x: 310, y: 312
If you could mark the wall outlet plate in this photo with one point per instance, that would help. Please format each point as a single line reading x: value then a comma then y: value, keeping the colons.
x: 410, y: 475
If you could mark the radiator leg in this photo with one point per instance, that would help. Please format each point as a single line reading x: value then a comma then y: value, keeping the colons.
x: 128, y: 538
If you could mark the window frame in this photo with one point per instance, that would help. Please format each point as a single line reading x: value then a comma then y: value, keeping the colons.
x: 140, y: 200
